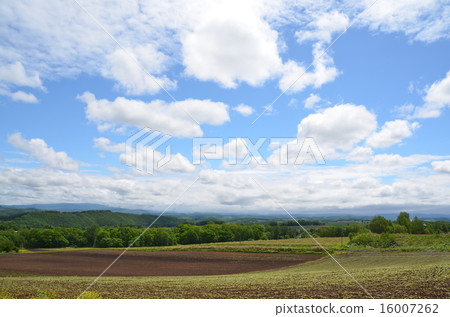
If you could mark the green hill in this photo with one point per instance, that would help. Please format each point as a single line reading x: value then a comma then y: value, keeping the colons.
x: 45, y: 219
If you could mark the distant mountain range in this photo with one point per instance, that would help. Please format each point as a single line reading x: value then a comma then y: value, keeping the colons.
x: 429, y: 213
x: 79, y: 207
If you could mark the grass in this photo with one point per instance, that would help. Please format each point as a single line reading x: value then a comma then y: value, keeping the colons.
x: 305, y: 245
x: 261, y: 246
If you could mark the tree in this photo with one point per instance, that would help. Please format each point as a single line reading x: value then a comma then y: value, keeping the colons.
x: 417, y: 226
x: 163, y: 237
x: 190, y: 236
x: 209, y: 233
x: 396, y: 228
x: 7, y: 245
x: 91, y: 234
x: 379, y: 224
x: 404, y: 220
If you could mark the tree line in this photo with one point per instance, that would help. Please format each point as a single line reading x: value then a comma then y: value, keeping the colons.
x: 13, y: 238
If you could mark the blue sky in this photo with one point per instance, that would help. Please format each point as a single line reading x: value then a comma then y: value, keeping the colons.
x: 368, y: 81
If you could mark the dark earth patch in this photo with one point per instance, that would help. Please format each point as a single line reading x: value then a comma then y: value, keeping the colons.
x: 143, y: 263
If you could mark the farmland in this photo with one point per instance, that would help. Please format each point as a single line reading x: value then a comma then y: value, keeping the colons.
x: 384, y: 273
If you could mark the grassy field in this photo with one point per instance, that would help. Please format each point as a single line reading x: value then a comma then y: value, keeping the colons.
x: 416, y: 274
x: 384, y: 274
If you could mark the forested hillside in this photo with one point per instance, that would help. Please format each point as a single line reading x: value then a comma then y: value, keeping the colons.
x: 46, y: 219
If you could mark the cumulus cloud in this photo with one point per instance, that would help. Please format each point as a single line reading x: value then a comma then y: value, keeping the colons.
x: 391, y: 133
x: 338, y: 128
x: 176, y: 164
x: 228, y: 42
x: 296, y: 78
x: 235, y: 153
x: 105, y: 145
x: 422, y: 20
x: 135, y: 72
x: 15, y: 74
x: 38, y: 149
x: 231, y: 44
x: 176, y: 118
x: 307, y: 189
x: 360, y: 154
x: 19, y: 95
x: 244, y: 110
x: 323, y: 27
x: 436, y: 99
x: 441, y: 166
x: 312, y: 101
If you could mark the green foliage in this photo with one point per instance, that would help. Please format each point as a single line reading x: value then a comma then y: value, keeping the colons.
x: 404, y: 220
x: 164, y: 237
x: 385, y: 240
x: 417, y: 226
x: 13, y: 238
x: 44, y: 238
x: 379, y: 224
x: 396, y: 228
x: 7, y: 245
x: 48, y: 219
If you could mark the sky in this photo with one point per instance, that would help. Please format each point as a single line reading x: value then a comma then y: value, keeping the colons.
x: 267, y: 106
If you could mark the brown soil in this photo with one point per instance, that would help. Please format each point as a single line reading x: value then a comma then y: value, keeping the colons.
x: 143, y: 263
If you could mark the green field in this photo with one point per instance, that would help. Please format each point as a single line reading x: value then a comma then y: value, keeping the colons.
x: 383, y: 273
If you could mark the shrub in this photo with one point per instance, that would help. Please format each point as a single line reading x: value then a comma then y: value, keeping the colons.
x: 385, y: 240
x: 363, y: 239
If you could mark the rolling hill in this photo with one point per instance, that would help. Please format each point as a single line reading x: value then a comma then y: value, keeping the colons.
x: 44, y: 219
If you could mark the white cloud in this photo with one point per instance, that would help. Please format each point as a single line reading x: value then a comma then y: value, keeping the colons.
x: 323, y: 27
x: 23, y: 96
x: 227, y: 41
x: 436, y: 99
x: 360, y: 154
x: 37, y: 148
x: 19, y: 95
x: 304, y: 190
x: 231, y: 44
x: 422, y: 20
x: 296, y: 78
x: 15, y: 74
x: 311, y: 101
x: 391, y: 133
x: 177, y: 163
x: 404, y: 111
x: 105, y: 145
x: 441, y: 166
x: 293, y: 102
x: 338, y: 128
x: 231, y: 153
x: 172, y: 118
x: 129, y: 70
x: 244, y: 110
